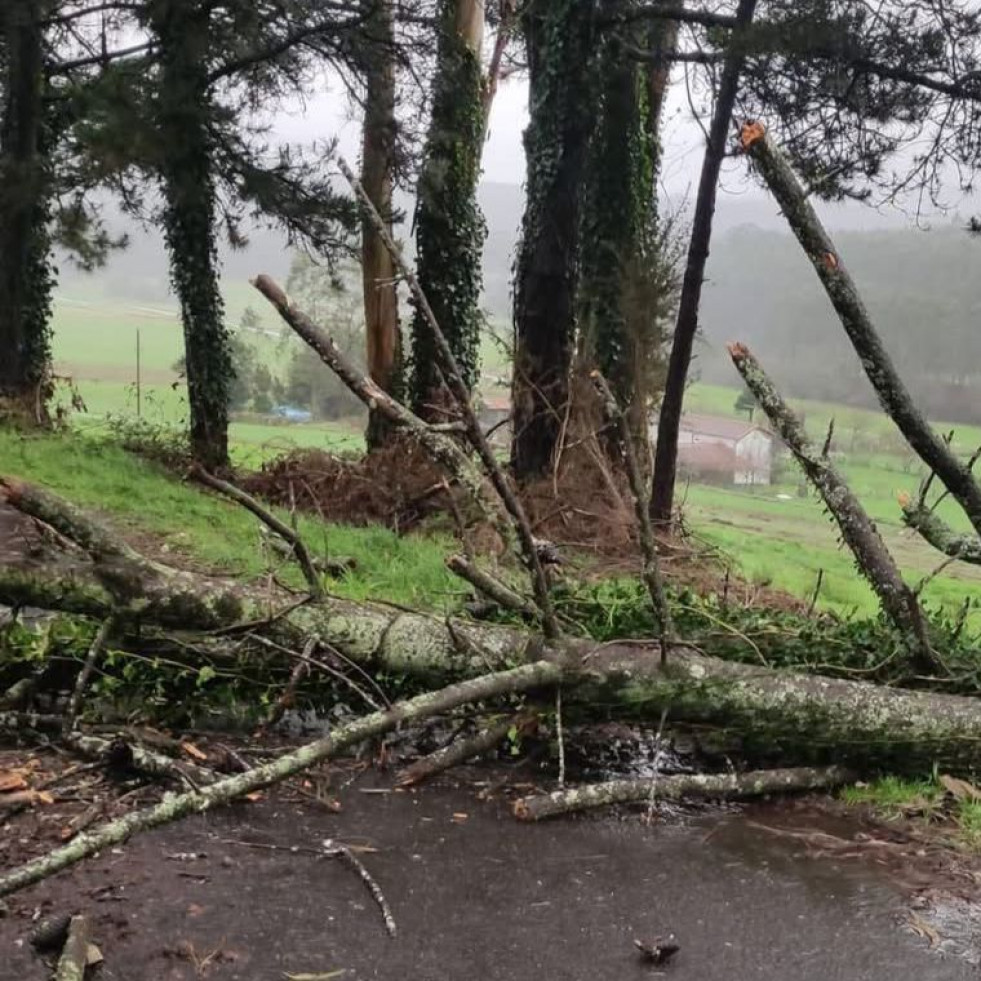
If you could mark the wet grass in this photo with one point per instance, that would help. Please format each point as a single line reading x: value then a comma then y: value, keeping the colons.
x: 198, y: 528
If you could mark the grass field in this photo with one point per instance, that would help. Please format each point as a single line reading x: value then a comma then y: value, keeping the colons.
x: 770, y: 534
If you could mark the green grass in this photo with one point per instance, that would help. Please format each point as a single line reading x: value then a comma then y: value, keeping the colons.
x: 200, y: 528
x: 924, y: 801
x: 894, y: 796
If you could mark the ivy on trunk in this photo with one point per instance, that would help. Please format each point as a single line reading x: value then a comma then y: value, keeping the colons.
x: 450, y: 229
x: 184, y: 107
x: 26, y: 274
x: 559, y: 39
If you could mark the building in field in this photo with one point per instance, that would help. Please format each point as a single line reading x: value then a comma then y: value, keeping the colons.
x: 494, y: 416
x: 721, y: 450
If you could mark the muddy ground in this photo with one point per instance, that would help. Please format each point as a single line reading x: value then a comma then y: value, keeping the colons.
x: 773, y: 893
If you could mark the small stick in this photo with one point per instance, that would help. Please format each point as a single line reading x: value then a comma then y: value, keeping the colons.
x: 560, y: 737
x: 95, y: 649
x: 282, y: 529
x: 74, y: 955
x: 288, y: 697
x: 490, y: 586
x: 652, y: 567
x: 817, y: 592
x: 652, y: 800
x: 459, y: 751
x: 342, y: 851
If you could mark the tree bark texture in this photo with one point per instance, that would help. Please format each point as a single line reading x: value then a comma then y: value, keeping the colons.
x: 722, y: 785
x: 669, y: 421
x: 857, y: 529
x: 381, y: 309
x: 26, y: 275
x: 893, y: 395
x: 450, y: 228
x: 559, y: 39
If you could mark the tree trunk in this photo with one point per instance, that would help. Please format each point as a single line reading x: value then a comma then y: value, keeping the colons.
x: 450, y: 229
x: 381, y: 310
x: 669, y: 423
x: 559, y: 38
x: 26, y: 274
x: 184, y: 107
x: 621, y: 312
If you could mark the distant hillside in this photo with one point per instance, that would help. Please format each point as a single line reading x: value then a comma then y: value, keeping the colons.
x: 922, y: 288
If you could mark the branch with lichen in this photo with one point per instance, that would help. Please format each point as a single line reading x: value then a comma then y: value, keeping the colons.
x: 894, y: 397
x: 858, y: 531
x: 936, y: 532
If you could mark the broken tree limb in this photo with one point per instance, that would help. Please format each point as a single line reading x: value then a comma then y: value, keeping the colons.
x: 894, y: 397
x: 95, y: 650
x: 462, y: 395
x: 74, y: 956
x: 651, y: 571
x: 530, y: 676
x: 460, y: 750
x: 857, y: 529
x: 936, y: 532
x: 130, y: 755
x: 287, y: 534
x: 756, y: 783
x: 490, y: 586
x: 442, y: 448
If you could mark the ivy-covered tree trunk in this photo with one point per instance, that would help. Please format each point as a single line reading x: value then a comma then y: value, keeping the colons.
x: 26, y: 274
x: 181, y: 29
x: 450, y: 229
x: 381, y: 309
x: 559, y: 39
x: 620, y: 311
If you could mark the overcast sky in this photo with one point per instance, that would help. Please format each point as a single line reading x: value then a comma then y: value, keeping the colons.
x: 330, y: 115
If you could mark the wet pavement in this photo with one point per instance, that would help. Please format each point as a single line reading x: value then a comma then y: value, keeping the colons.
x: 476, y: 895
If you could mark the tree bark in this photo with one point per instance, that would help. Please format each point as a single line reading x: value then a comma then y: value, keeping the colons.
x: 450, y: 229
x: 857, y: 529
x: 936, y: 532
x: 721, y: 785
x: 222, y: 791
x: 74, y: 956
x: 559, y: 38
x: 669, y: 422
x: 893, y: 395
x: 26, y: 275
x: 184, y: 104
x: 381, y: 309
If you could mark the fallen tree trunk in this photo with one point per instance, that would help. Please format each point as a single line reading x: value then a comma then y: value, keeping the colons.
x: 170, y: 809
x: 74, y: 957
x: 756, y: 783
x: 776, y: 714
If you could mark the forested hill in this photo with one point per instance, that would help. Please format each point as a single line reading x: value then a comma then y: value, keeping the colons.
x: 923, y: 289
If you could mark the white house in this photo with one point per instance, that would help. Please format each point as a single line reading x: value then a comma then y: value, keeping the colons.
x: 726, y: 449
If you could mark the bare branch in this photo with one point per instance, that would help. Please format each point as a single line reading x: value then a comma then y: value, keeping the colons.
x: 857, y: 528
x: 893, y: 395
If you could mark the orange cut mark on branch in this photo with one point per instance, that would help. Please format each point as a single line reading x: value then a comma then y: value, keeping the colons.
x: 752, y: 132
x: 830, y: 261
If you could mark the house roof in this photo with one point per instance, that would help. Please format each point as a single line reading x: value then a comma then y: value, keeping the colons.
x: 497, y: 403
x: 721, y: 426
x: 707, y: 457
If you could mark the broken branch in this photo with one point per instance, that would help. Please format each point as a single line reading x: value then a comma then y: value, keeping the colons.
x: 718, y: 785
x: 857, y: 529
